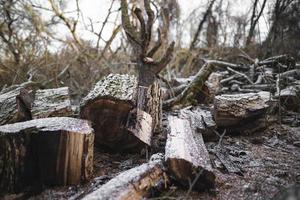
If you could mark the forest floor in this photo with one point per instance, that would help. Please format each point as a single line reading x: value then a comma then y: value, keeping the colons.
x: 264, y: 165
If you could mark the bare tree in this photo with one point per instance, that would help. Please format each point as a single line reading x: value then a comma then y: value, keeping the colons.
x: 140, y: 40
x: 254, y: 19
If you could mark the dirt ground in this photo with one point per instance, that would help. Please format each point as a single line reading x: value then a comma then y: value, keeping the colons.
x: 264, y: 165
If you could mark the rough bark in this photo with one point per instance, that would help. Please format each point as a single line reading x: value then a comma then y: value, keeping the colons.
x: 15, y: 106
x: 50, y: 151
x: 232, y: 110
x: 111, y: 108
x: 132, y: 184
x: 201, y: 120
x: 186, y: 155
x: 52, y: 103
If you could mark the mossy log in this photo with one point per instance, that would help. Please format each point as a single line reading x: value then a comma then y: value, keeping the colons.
x: 186, y: 155
x: 111, y: 106
x: 52, y: 103
x: 232, y: 110
x: 50, y: 151
x: 15, y: 106
x: 133, y: 184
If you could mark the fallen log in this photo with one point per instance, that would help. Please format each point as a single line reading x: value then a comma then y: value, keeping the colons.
x: 50, y: 151
x: 111, y: 108
x: 52, y: 103
x: 186, y: 155
x: 201, y: 120
x: 15, y: 106
x: 135, y: 183
x: 232, y: 110
x: 289, y: 97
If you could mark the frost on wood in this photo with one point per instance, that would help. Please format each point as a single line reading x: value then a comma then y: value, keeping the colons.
x: 186, y: 155
x: 50, y: 151
x: 201, y: 120
x: 111, y: 108
x: 52, y: 103
x: 231, y: 110
x: 132, y: 184
x: 15, y: 106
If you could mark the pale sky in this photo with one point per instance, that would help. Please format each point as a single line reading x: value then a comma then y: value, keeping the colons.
x: 96, y: 10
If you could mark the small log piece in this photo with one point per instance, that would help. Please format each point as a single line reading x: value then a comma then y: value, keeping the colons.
x: 186, y: 155
x: 15, y: 106
x: 232, y: 110
x: 52, y: 103
x: 135, y: 183
x: 111, y: 108
x: 50, y: 151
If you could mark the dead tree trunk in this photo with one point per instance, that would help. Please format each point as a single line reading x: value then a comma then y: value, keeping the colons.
x: 52, y: 103
x: 51, y: 151
x: 186, y: 155
x: 15, y: 106
x: 147, y: 67
x: 135, y: 183
x: 111, y: 108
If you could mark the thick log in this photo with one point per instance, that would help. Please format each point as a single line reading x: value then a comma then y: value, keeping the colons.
x: 50, y: 151
x: 111, y: 108
x: 186, y: 155
x: 52, y: 103
x: 289, y: 97
x: 135, y: 183
x: 15, y: 106
x: 232, y: 110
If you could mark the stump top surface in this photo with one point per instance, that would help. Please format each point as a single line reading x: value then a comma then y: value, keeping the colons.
x: 49, y: 124
x: 113, y: 86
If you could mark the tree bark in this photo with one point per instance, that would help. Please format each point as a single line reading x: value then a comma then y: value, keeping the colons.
x: 15, y: 106
x: 132, y: 184
x: 111, y: 106
x: 186, y: 155
x: 232, y: 110
x: 52, y: 103
x: 51, y: 151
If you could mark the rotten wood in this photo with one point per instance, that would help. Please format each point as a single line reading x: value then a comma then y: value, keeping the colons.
x: 186, y: 155
x: 52, y: 103
x: 135, y: 183
x: 15, y: 106
x: 50, y: 151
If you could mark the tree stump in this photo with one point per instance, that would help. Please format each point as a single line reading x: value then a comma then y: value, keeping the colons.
x: 50, y: 151
x: 132, y: 184
x: 111, y: 108
x: 15, y: 106
x: 52, y: 103
x: 186, y: 155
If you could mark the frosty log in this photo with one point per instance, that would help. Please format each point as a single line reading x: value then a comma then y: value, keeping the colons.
x: 15, y: 106
x: 52, y: 103
x: 111, y: 108
x: 132, y: 184
x: 186, y: 155
x: 51, y: 151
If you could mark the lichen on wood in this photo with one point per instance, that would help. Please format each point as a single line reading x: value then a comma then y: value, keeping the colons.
x: 52, y: 103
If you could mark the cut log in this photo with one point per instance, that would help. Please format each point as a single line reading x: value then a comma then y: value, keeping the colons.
x: 290, y: 97
x: 52, y: 103
x: 232, y: 110
x: 186, y: 155
x: 15, y: 106
x: 111, y: 108
x: 202, y: 121
x: 135, y: 183
x: 50, y: 151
